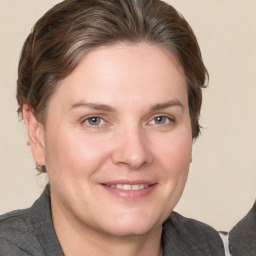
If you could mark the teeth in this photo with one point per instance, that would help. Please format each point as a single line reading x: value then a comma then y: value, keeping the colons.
x: 129, y: 186
x: 135, y: 187
x: 141, y: 186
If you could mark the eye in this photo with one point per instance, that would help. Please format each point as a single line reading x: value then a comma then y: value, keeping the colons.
x: 160, y: 120
x: 94, y: 121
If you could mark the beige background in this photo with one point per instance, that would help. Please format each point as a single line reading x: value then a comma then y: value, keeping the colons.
x: 222, y: 183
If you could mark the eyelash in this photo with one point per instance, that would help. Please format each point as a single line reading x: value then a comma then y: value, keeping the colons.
x: 165, y: 118
x: 91, y: 118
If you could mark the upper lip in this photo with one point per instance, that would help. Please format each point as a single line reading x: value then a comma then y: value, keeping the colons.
x: 130, y: 182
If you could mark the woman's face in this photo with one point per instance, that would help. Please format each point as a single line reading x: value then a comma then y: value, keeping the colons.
x: 118, y: 140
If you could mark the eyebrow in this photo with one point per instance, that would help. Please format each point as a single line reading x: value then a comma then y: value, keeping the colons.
x: 107, y: 108
x: 172, y: 103
x: 100, y: 107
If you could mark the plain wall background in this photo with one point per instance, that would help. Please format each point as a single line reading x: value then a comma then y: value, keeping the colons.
x: 221, y: 186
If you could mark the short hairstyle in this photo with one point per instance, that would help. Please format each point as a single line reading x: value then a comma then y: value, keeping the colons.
x: 73, y: 27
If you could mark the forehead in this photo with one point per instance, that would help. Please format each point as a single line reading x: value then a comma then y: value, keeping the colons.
x: 126, y: 69
x: 129, y: 54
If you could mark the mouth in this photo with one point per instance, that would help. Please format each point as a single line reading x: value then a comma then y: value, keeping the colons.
x: 129, y: 186
x: 126, y: 190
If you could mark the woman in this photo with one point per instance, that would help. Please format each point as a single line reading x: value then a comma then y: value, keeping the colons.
x: 110, y: 92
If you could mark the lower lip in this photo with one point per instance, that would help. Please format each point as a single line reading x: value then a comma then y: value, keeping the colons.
x: 130, y: 194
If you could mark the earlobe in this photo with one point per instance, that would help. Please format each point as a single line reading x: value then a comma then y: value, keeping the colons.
x: 36, y: 134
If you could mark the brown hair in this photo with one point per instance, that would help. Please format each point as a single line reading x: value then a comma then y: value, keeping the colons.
x: 73, y: 27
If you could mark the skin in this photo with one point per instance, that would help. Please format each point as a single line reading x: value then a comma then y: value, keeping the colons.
x: 121, y: 116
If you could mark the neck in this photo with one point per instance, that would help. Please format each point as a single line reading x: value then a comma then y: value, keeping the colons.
x: 77, y: 238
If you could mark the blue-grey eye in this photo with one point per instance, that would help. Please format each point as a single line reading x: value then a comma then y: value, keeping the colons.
x: 160, y: 120
x: 94, y: 121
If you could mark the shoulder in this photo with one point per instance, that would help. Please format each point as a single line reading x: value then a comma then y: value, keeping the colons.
x: 242, y: 237
x: 191, y: 226
x: 17, y: 234
x: 30, y: 231
x: 191, y: 237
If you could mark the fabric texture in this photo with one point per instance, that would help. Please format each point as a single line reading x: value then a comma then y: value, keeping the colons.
x: 30, y: 232
x: 242, y: 238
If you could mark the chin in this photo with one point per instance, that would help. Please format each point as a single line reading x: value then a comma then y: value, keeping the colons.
x: 133, y: 226
x: 136, y: 230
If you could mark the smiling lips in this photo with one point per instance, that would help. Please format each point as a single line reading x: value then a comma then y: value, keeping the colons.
x: 129, y: 186
x: 130, y: 191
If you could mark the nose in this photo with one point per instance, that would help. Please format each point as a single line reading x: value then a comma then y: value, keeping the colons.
x: 133, y: 149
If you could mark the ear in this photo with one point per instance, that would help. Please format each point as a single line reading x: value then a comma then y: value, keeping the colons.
x: 36, y: 134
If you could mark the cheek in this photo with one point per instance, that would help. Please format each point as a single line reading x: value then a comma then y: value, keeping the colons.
x: 176, y: 152
x: 74, y: 154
